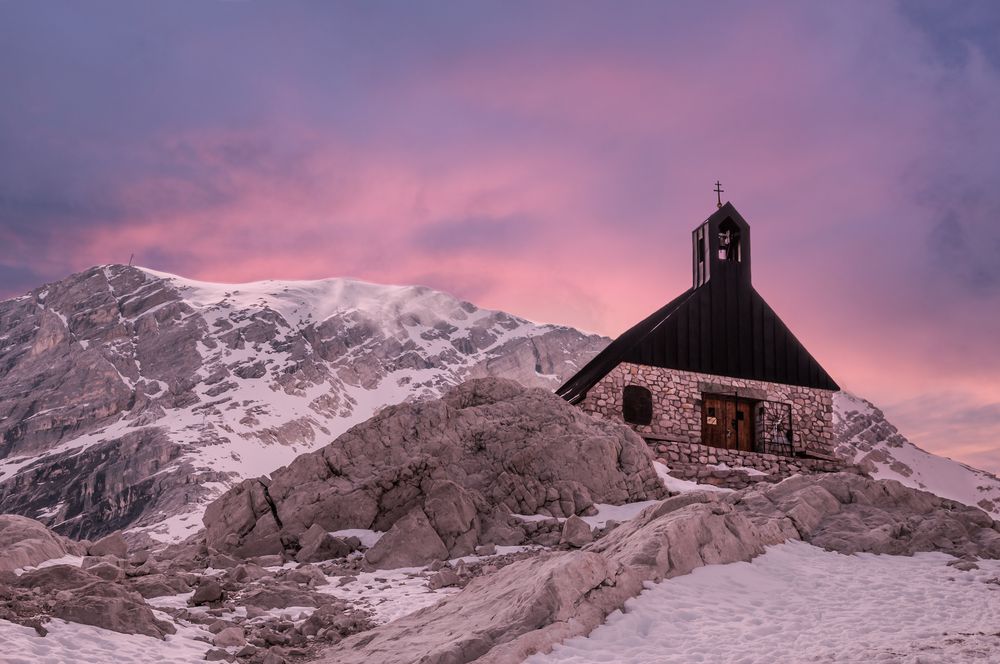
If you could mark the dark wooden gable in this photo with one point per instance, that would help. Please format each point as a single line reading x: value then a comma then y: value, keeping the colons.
x: 720, y: 326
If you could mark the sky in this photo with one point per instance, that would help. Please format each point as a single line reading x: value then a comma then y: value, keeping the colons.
x: 545, y: 158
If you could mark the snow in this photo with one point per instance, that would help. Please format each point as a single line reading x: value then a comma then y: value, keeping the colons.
x: 69, y: 643
x: 799, y: 603
x: 534, y: 517
x: 617, y: 513
x: 744, y: 469
x: 389, y: 594
x: 368, y: 537
x: 676, y: 485
x: 68, y: 559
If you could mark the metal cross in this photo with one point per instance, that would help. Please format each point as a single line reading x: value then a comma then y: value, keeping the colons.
x: 718, y: 192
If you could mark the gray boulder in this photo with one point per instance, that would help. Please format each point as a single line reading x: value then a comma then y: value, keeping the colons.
x: 208, y: 591
x: 411, y: 542
x: 78, y: 596
x: 488, y: 448
x: 111, y: 545
x: 576, y: 532
x: 107, y: 571
x: 230, y: 636
x: 25, y: 542
x: 318, y: 545
x: 159, y: 585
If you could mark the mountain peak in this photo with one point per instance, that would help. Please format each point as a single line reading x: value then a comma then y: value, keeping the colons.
x: 155, y: 391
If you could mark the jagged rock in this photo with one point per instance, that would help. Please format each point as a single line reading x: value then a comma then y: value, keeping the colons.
x: 93, y: 561
x: 246, y: 572
x: 107, y: 571
x: 138, y: 558
x: 529, y: 605
x: 308, y: 575
x: 453, y: 514
x: 112, y: 545
x: 488, y: 448
x: 411, y: 542
x: 222, y: 561
x: 271, y: 560
x: 218, y: 655
x: 159, y: 585
x: 230, y: 636
x: 220, y: 625
x: 443, y: 579
x: 249, y: 650
x: 208, y: 591
x: 84, y: 598
x: 25, y: 542
x: 273, y: 657
x: 278, y: 597
x: 335, y: 622
x: 575, y: 532
x: 863, y: 436
x: 318, y: 545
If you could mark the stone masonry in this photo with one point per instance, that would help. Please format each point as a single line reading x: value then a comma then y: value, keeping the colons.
x: 675, y: 430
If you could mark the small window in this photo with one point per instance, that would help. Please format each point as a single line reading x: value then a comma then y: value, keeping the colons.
x: 637, y: 405
x: 711, y: 412
x: 739, y: 415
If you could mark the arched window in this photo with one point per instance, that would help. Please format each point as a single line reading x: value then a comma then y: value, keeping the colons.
x: 637, y: 405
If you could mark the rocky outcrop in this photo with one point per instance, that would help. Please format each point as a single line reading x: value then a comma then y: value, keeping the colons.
x: 25, y: 542
x: 118, y: 385
x: 411, y: 542
x: 530, y: 605
x: 78, y: 596
x: 441, y: 476
x: 865, y: 437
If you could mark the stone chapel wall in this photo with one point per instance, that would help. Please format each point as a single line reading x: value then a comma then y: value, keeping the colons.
x: 677, y: 405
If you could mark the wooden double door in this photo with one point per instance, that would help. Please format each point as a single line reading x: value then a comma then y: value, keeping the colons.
x: 727, y: 422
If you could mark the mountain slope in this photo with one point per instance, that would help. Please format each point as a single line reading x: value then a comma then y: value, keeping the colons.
x: 866, y: 438
x: 130, y: 397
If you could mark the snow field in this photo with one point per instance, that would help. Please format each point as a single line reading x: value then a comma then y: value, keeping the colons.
x: 71, y: 643
x: 798, y: 603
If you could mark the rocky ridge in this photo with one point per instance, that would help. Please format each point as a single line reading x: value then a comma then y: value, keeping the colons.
x: 440, y: 477
x: 530, y: 605
x: 864, y: 437
x: 129, y: 398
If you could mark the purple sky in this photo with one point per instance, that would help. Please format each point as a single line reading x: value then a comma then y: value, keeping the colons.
x: 549, y: 159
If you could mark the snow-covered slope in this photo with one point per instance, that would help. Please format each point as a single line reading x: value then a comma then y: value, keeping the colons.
x: 866, y: 438
x: 130, y: 397
x: 799, y: 603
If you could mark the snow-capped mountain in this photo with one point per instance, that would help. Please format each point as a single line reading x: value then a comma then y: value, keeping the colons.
x: 129, y: 398
x: 866, y: 438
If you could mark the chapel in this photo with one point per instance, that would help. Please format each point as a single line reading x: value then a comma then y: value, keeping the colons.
x: 715, y: 374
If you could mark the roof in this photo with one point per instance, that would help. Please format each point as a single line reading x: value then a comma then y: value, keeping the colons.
x: 723, y: 327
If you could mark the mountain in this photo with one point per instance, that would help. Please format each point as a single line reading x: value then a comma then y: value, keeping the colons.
x: 129, y: 398
x: 866, y: 438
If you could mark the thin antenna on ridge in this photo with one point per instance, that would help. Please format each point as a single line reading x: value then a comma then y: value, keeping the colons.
x: 130, y: 257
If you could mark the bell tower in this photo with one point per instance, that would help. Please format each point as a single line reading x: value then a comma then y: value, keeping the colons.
x: 721, y: 248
